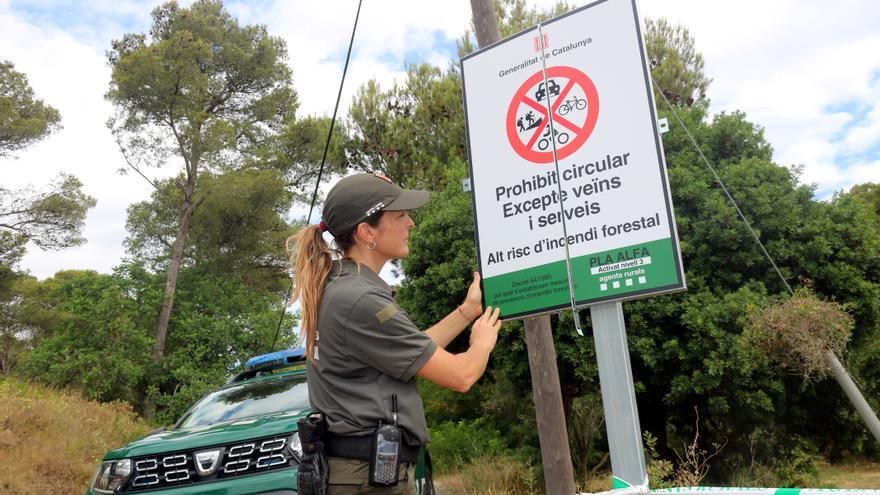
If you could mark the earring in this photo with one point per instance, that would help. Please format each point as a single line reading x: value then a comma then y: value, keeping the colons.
x: 372, y: 245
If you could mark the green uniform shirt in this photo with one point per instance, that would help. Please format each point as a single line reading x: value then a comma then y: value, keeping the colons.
x: 367, y: 350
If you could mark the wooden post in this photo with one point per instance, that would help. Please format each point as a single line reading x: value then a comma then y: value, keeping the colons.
x: 546, y: 392
x: 547, y: 395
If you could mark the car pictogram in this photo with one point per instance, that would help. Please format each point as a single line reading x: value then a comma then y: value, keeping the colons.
x: 542, y: 92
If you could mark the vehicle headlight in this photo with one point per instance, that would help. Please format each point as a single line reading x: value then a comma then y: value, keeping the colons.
x: 111, y: 476
x: 296, y: 447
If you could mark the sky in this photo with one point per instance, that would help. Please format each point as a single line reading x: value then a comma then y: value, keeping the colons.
x: 807, y: 71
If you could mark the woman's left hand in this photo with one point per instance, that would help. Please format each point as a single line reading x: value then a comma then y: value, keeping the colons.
x: 473, y: 303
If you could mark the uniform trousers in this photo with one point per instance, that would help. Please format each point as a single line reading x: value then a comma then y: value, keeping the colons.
x: 352, y: 477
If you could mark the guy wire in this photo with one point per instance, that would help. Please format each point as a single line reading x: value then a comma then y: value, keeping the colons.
x: 723, y: 188
x: 323, y: 159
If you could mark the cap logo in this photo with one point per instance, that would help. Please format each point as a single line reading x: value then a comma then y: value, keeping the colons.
x: 374, y: 209
x: 383, y: 177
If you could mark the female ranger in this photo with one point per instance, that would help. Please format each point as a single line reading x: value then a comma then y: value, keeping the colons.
x: 364, y: 352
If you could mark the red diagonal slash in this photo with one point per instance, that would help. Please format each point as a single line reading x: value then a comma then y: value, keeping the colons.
x: 573, y: 77
x: 560, y: 99
x: 556, y: 117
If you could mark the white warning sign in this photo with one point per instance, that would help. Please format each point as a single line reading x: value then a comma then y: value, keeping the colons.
x: 578, y: 84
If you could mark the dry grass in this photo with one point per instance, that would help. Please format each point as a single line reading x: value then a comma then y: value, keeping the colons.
x: 800, y: 330
x: 600, y: 482
x: 51, y: 441
x: 504, y: 475
x: 851, y: 474
x: 491, y: 475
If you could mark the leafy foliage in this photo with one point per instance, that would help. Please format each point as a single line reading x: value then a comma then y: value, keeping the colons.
x: 215, y: 97
x: 454, y: 444
x: 200, y: 87
x: 95, y: 345
x: 868, y: 192
x: 296, y: 152
x: 239, y: 227
x: 51, y: 219
x: 219, y: 324
x: 96, y: 336
x: 676, y: 65
x: 24, y: 319
x: 24, y: 118
x: 384, y: 127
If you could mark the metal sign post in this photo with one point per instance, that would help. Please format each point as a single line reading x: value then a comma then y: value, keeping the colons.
x: 618, y: 396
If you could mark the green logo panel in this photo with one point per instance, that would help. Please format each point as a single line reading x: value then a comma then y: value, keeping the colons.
x: 622, y: 273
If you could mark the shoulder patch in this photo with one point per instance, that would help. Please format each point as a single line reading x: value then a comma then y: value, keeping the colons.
x: 386, y: 313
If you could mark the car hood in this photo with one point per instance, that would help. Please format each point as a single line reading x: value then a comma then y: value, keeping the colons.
x: 206, y: 436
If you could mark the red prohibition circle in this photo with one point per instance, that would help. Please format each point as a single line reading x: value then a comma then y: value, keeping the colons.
x: 582, y: 133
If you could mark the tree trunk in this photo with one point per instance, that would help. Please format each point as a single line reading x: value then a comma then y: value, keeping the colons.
x: 547, y: 396
x: 186, y: 212
x: 485, y: 22
x: 6, y: 361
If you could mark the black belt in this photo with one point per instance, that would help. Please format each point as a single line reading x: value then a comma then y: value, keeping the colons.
x: 362, y: 448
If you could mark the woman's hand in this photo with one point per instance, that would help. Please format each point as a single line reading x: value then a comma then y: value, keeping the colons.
x: 472, y: 306
x: 460, y: 371
x: 484, y: 333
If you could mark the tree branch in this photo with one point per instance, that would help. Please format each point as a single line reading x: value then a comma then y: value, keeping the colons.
x: 133, y: 166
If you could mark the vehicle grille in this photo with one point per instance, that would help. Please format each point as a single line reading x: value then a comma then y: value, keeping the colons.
x: 171, y: 469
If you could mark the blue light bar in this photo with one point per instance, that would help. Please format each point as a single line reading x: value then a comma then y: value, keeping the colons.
x: 275, y: 360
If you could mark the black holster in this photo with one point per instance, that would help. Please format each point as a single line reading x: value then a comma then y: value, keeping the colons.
x: 313, y: 475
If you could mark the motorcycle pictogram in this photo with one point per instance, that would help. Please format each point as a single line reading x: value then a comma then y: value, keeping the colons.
x: 544, y: 142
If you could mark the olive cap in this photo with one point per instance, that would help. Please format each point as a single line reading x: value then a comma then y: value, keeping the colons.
x: 356, y: 197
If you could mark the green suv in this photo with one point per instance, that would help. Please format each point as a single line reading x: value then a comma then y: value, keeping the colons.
x: 239, y: 439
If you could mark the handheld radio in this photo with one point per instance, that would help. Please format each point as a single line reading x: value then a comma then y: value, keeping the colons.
x: 385, y: 461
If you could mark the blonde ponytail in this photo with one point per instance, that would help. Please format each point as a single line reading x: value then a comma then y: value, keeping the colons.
x: 311, y: 259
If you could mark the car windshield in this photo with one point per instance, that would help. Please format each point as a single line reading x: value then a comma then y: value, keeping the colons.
x: 249, y: 399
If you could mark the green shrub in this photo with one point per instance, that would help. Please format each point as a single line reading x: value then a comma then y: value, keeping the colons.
x: 660, y: 470
x: 454, y: 444
x: 796, y: 467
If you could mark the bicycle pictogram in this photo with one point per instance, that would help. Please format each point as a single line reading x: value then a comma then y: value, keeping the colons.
x: 573, y: 103
x: 572, y: 99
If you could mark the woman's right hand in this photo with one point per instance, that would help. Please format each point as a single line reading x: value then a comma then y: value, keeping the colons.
x: 484, y: 333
